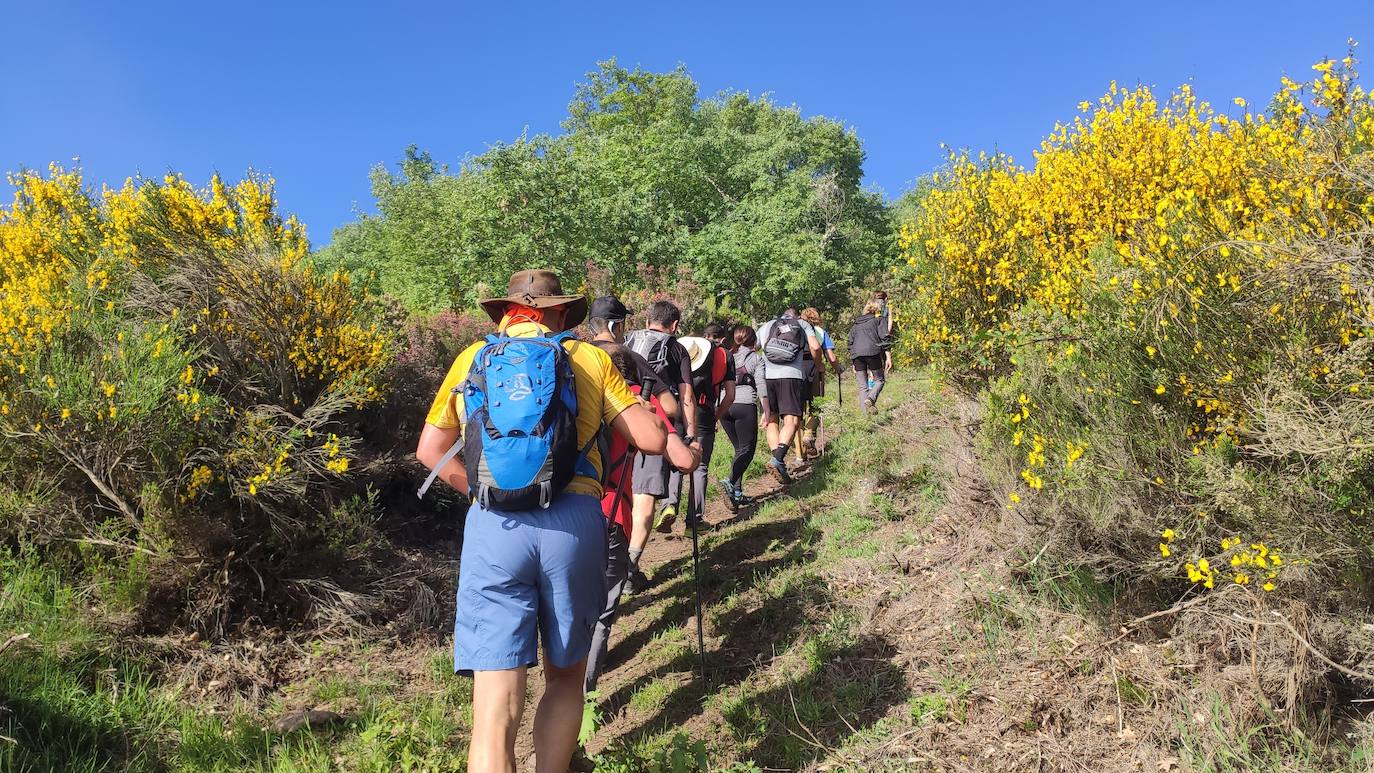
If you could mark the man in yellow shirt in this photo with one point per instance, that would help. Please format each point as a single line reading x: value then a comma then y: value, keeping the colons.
x: 537, y: 572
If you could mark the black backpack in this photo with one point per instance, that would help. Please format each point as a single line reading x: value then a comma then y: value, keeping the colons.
x: 784, y: 341
x: 743, y: 376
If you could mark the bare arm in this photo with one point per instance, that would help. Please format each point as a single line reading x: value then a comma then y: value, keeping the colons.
x: 680, y: 455
x: 727, y: 400
x: 642, y: 428
x: 689, y: 408
x: 434, y: 443
x: 816, y: 355
x: 667, y: 402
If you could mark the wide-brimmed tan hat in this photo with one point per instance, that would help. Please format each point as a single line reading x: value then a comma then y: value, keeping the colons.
x: 538, y: 289
x: 697, y: 349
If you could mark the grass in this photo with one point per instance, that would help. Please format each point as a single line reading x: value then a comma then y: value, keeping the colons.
x: 799, y: 677
x: 76, y: 700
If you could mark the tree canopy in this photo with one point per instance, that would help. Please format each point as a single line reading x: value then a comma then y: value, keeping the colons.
x: 762, y: 205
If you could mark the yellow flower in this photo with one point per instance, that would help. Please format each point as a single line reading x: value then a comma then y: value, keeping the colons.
x: 1164, y: 549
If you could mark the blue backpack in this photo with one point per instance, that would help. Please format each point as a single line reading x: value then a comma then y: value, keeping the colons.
x: 519, y: 439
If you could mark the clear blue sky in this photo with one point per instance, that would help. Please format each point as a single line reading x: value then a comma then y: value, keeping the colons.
x: 316, y: 94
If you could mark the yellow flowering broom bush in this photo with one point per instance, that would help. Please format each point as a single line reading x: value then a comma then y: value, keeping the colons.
x: 168, y: 351
x: 1171, y: 313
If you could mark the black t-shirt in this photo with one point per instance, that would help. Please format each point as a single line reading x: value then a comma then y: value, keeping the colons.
x: 677, y: 367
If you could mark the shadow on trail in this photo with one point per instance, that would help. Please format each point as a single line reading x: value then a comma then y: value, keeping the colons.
x: 837, y: 682
x: 840, y: 684
x: 847, y: 691
x: 727, y: 567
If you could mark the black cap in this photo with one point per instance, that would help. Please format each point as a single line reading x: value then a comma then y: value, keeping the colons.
x: 608, y: 307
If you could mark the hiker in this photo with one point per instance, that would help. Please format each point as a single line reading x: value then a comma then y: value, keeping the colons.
x: 866, y: 351
x: 887, y: 327
x: 615, y: 501
x: 783, y: 340
x: 624, y: 547
x: 658, y: 345
x: 534, y: 540
x: 813, y: 384
x: 713, y: 383
x: 741, y: 419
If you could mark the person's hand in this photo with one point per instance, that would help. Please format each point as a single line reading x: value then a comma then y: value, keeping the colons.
x: 764, y: 419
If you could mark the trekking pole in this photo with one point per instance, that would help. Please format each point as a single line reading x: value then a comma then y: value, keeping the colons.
x: 696, y: 578
x: 839, y: 386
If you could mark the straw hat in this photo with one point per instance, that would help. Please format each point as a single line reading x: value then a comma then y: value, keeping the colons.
x: 697, y: 349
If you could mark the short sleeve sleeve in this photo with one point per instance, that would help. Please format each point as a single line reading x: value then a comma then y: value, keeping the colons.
x: 618, y: 394
x: 446, y: 412
x: 684, y: 363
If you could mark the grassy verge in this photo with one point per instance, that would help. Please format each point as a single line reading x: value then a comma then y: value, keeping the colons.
x: 75, y: 697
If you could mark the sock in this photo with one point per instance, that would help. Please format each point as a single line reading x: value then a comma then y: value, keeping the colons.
x: 635, y: 553
x: 780, y: 452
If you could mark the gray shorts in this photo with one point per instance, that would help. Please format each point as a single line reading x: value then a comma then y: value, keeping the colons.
x: 650, y: 475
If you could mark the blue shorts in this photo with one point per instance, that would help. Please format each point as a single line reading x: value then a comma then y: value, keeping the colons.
x: 528, y: 571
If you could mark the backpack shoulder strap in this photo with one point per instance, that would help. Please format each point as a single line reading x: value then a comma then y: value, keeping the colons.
x: 443, y: 462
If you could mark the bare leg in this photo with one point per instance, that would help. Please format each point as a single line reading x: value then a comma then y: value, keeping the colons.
x: 787, y: 431
x: 642, y: 520
x: 558, y: 718
x: 498, y: 700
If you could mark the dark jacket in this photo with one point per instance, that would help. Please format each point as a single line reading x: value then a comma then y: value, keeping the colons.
x: 864, y: 336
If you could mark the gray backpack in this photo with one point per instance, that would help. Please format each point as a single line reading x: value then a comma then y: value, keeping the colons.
x: 652, y: 345
x: 784, y: 343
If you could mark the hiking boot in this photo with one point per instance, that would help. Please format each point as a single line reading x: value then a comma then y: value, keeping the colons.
x: 580, y: 762
x: 779, y: 470
x: 696, y: 525
x: 666, y: 517
x: 731, y: 496
x: 638, y: 581
x: 870, y: 408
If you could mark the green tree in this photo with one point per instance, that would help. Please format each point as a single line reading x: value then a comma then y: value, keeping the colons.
x: 762, y: 205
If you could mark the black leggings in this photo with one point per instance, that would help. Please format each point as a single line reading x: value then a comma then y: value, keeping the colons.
x: 741, y: 424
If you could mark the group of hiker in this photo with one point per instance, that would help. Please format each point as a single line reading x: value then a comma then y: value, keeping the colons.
x: 573, y: 451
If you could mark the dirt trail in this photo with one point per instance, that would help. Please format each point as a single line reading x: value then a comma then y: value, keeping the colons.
x: 667, y: 560
x: 881, y: 613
